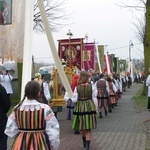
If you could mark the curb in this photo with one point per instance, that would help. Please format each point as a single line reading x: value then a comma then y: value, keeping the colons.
x: 136, y: 107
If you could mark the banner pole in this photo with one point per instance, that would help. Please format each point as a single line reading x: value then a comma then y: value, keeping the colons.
x: 27, y: 50
x: 53, y: 49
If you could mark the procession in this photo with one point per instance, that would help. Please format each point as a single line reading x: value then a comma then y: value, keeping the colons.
x: 84, y: 96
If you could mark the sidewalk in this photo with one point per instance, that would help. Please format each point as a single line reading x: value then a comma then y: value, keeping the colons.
x: 120, y: 130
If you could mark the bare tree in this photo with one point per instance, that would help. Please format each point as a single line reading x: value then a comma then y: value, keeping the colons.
x: 143, y: 30
x: 55, y: 10
x: 140, y: 5
x: 140, y: 28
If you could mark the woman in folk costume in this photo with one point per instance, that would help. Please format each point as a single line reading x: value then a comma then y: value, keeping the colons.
x: 119, y: 88
x: 84, y: 116
x: 33, y: 124
x: 112, y: 96
x: 124, y: 83
x: 45, y: 93
x: 102, y: 95
x: 70, y: 105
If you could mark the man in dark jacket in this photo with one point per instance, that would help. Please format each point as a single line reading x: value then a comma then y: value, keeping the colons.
x: 5, y: 104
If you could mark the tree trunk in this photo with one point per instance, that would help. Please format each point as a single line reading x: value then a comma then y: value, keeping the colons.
x: 147, y: 41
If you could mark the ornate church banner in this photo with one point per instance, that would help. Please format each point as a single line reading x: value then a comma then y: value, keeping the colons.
x: 12, y: 32
x: 71, y: 51
x: 89, y: 58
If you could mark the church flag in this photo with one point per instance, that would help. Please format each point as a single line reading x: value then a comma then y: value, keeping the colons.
x: 117, y: 58
x: 102, y: 57
x: 122, y: 65
x: 110, y: 61
x: 12, y: 33
x: 89, y: 56
x: 104, y: 65
x: 115, y: 67
x: 76, y: 45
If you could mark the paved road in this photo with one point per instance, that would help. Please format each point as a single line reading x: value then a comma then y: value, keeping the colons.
x: 120, y: 130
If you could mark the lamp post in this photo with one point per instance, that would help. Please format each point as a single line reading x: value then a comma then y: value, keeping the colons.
x: 130, y: 45
x: 70, y: 51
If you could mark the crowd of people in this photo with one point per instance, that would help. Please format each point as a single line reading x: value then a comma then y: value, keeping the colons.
x: 94, y: 95
x: 33, y: 123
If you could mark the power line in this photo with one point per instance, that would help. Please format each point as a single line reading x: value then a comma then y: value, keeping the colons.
x: 122, y: 47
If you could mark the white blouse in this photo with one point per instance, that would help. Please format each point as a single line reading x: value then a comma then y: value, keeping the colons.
x: 148, y: 85
x: 46, y: 91
x: 52, y: 125
x: 6, y: 82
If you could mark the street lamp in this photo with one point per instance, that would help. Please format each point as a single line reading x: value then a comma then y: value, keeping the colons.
x: 70, y: 51
x: 130, y: 45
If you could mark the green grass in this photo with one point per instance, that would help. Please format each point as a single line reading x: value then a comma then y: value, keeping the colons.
x: 141, y: 100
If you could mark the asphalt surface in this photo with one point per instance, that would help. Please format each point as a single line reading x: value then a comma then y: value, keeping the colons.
x: 120, y: 130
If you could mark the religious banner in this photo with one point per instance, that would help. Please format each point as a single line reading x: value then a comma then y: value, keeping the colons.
x: 12, y: 35
x: 110, y: 61
x: 5, y: 12
x: 101, y: 56
x: 128, y: 65
x: 116, y: 64
x: 71, y: 50
x: 89, y: 58
x: 117, y: 60
x: 105, y: 65
x: 108, y: 64
x: 122, y: 65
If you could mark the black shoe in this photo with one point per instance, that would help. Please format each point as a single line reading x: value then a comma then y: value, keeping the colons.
x: 100, y: 115
x: 110, y: 110
x: 105, y: 112
x: 87, y: 145
x: 76, y: 132
x: 84, y: 141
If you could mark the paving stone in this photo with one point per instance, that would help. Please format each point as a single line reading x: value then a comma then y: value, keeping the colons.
x: 120, y: 130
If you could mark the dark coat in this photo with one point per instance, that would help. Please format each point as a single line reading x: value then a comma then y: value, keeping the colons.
x: 5, y: 104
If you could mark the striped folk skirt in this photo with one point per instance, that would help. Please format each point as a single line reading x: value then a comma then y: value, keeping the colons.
x: 32, y: 141
x: 84, y: 115
x: 32, y: 135
x: 103, y: 99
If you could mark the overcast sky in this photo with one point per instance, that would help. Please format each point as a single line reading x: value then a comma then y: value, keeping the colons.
x: 103, y: 21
